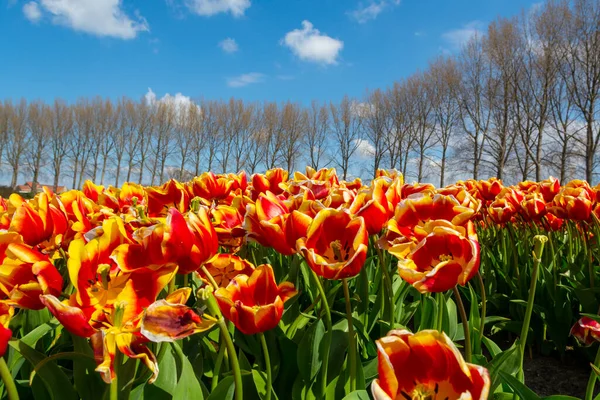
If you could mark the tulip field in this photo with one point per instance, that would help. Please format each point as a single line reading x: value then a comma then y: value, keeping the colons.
x: 297, y: 286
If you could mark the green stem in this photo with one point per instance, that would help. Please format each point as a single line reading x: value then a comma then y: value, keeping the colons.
x: 186, y: 280
x: 387, y: 282
x: 210, y: 279
x: 589, y: 391
x: 440, y: 300
x: 265, y: 350
x: 538, y: 248
x: 351, y: 339
x: 217, y: 370
x: 171, y: 287
x: 235, y: 364
x: 483, y: 306
x: 329, y: 332
x: 213, y: 308
x: 465, y: 322
x: 114, y: 384
x: 9, y: 383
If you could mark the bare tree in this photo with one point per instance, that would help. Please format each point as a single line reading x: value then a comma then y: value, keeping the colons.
x: 315, y: 139
x: 17, y: 138
x: 475, y: 96
x: 501, y: 136
x: 446, y: 79
x: 346, y: 125
x: 38, y: 121
x: 582, y: 47
x: 377, y: 125
x: 293, y: 121
x: 419, y: 88
x: 61, y: 129
x: 164, y: 120
x: 273, y: 131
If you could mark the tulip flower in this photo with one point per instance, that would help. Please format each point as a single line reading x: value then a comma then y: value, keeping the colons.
x: 211, y: 188
x: 224, y: 267
x: 335, y: 246
x: 269, y: 182
x: 425, y: 365
x: 373, y: 206
x: 533, y: 206
x: 574, y: 201
x: 6, y: 314
x: 36, y: 220
x: 488, y: 190
x: 170, y: 195
x: 186, y: 243
x: 271, y: 223
x: 25, y: 274
x: 586, y: 331
x: 254, y: 303
x: 447, y: 256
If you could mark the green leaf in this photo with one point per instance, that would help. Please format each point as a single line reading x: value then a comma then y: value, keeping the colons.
x: 357, y: 395
x: 166, y: 382
x: 309, y: 354
x: 88, y: 382
x: 187, y: 385
x: 260, y: 381
x: 224, y: 390
x: 523, y: 391
x: 506, y: 361
x: 57, y: 383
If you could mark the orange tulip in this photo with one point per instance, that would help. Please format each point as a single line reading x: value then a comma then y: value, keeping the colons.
x: 574, y: 201
x: 224, y: 267
x: 447, y: 256
x: 586, y: 331
x: 186, y: 243
x: 425, y: 365
x: 488, y: 190
x: 336, y: 244
x: 549, y: 188
x: 211, y: 187
x: 373, y: 206
x: 533, y: 206
x: 162, y: 198
x: 25, y: 274
x: 271, y: 223
x: 254, y: 303
x: 269, y: 182
x: 36, y: 220
x: 6, y: 314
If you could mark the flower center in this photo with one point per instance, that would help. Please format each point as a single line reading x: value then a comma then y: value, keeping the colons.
x: 422, y: 392
x: 446, y: 257
x: 340, y: 251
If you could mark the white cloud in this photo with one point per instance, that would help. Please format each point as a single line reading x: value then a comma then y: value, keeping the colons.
x: 229, y: 45
x: 97, y: 17
x: 245, y: 79
x: 32, y: 11
x: 237, y: 8
x: 370, y: 11
x: 310, y: 45
x: 364, y: 148
x: 456, y: 38
x: 179, y: 101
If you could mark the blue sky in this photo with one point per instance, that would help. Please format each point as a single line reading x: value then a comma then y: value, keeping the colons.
x: 277, y: 50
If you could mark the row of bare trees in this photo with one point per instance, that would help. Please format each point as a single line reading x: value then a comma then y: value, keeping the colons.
x: 517, y: 102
